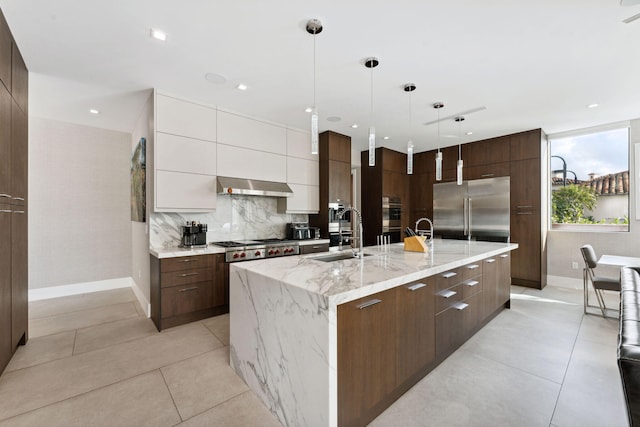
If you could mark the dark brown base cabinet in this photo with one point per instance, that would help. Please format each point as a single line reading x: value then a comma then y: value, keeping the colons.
x: 388, y: 341
x: 186, y: 289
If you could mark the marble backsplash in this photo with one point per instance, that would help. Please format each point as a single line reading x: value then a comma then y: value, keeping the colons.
x: 235, y: 218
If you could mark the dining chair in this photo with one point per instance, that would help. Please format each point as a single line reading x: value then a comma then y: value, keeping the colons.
x: 598, y: 283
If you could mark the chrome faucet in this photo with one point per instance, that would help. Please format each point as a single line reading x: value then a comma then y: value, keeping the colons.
x: 359, y: 254
x: 428, y: 233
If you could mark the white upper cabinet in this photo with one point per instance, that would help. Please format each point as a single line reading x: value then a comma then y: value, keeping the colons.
x: 305, y: 199
x: 184, y: 192
x: 302, y: 171
x: 185, y: 118
x: 177, y: 153
x: 239, y: 162
x: 299, y: 145
x: 249, y: 133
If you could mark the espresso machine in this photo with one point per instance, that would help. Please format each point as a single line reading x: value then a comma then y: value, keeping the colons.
x: 194, y: 235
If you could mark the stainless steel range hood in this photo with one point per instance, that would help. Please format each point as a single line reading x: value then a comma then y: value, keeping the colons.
x: 252, y: 187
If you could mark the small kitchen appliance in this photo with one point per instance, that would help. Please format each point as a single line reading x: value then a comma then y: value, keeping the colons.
x: 299, y: 231
x: 194, y: 235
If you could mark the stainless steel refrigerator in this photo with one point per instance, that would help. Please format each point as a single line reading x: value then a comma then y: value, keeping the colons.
x: 475, y: 210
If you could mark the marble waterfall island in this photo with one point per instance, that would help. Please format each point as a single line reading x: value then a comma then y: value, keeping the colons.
x: 283, y: 318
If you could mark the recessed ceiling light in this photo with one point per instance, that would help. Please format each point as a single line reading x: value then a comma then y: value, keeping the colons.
x: 94, y: 111
x: 355, y: 126
x: 593, y: 105
x: 308, y: 110
x: 158, y: 34
x: 215, y: 78
x: 469, y: 133
x: 386, y: 137
x: 241, y: 86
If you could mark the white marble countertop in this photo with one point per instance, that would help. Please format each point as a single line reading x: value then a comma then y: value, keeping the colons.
x: 212, y: 249
x: 384, y: 268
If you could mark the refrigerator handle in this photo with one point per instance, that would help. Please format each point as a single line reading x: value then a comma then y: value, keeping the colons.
x: 465, y: 216
x: 470, y: 219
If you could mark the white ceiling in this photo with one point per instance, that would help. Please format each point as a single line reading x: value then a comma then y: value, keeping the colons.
x: 533, y: 64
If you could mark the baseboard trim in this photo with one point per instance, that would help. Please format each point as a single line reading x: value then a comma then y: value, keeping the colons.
x: 564, y: 282
x: 88, y: 287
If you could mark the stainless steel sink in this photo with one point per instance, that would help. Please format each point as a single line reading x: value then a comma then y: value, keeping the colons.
x: 336, y: 257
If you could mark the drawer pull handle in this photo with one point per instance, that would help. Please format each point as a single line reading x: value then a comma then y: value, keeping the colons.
x: 525, y: 207
x: 8, y: 196
x: 193, y: 288
x: 460, y: 306
x: 416, y: 286
x: 471, y: 283
x: 368, y: 303
x: 18, y: 212
x: 473, y: 266
x: 189, y: 274
x: 484, y: 175
x: 447, y: 293
x: 504, y: 256
x: 490, y: 260
x: 316, y: 247
x: 187, y: 260
x: 449, y: 274
x: 19, y: 198
x: 524, y: 213
x: 5, y: 211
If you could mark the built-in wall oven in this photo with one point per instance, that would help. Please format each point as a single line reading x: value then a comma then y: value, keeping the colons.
x: 335, y: 223
x: 392, y: 218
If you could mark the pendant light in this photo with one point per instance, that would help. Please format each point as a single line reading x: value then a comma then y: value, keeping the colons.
x: 372, y: 63
x: 459, y: 119
x: 314, y: 26
x: 409, y: 87
x: 438, y: 106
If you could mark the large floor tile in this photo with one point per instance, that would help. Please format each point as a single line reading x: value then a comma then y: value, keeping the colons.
x: 68, y: 304
x: 81, y: 319
x: 202, y: 382
x: 43, y: 349
x: 219, y: 326
x: 100, y: 336
x: 599, y: 329
x: 469, y: 390
x: 35, y: 387
x: 241, y: 411
x: 140, y: 401
x: 591, y: 394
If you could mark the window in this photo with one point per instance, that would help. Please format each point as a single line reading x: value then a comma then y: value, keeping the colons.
x: 589, y: 176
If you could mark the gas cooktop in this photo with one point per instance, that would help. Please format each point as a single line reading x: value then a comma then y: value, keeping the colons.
x: 244, y: 250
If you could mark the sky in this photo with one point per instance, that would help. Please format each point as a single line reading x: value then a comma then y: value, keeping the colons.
x: 602, y: 153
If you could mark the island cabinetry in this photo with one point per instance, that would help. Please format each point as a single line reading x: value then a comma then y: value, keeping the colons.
x: 366, y: 356
x: 310, y: 249
x: 185, y: 289
x: 503, y: 279
x: 415, y: 330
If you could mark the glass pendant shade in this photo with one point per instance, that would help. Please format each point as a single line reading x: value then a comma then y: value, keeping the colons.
x: 459, y: 172
x: 439, y: 166
x: 314, y: 132
x: 410, y: 158
x: 372, y: 146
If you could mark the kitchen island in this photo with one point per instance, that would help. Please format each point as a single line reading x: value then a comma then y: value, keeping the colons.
x: 334, y: 343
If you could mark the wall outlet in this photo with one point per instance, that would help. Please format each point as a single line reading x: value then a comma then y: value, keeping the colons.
x: 574, y: 265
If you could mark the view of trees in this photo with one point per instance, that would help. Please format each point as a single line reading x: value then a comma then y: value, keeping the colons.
x: 568, y: 205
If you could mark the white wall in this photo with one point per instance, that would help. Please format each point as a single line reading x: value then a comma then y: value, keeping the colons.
x: 140, y: 230
x: 564, y: 247
x: 79, y: 216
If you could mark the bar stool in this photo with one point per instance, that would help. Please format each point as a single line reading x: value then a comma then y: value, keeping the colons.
x: 598, y: 283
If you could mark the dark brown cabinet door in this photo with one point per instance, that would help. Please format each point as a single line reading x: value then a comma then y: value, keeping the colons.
x: 220, y: 282
x: 366, y: 356
x: 526, y: 260
x: 525, y: 184
x: 6, y: 42
x: 6, y: 347
x: 488, y: 152
x: 5, y: 146
x: 486, y: 171
x: 19, y: 277
x: 504, y: 278
x: 19, y: 79
x: 339, y: 182
x: 526, y: 145
x: 489, y: 285
x: 415, y: 328
x: 450, y: 330
x: 19, y: 154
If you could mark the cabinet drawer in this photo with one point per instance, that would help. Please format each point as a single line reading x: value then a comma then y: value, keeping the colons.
x: 447, y: 279
x: 186, y: 298
x: 448, y: 297
x: 185, y: 263
x: 184, y: 277
x: 471, y: 286
x: 471, y: 270
x: 310, y: 249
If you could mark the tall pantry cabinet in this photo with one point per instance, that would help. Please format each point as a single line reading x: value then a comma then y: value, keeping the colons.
x: 13, y: 196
